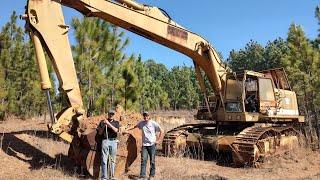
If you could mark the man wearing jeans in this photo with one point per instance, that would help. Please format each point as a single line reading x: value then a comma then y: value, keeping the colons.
x: 150, y: 139
x: 108, y: 129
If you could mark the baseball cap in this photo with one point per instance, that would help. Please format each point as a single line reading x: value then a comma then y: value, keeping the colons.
x: 145, y: 113
x: 111, y: 111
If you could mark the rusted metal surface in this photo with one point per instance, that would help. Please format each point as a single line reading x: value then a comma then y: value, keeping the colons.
x: 174, y: 143
x: 133, y: 148
x: 255, y: 143
x: 177, y: 34
x: 247, y: 147
x: 85, y: 148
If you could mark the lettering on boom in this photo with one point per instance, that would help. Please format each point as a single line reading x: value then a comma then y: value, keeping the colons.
x: 177, y: 35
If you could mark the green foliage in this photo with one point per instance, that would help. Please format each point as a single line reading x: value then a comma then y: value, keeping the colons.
x: 316, y: 42
x: 142, y: 84
x: 130, y: 82
x: 20, y: 86
x: 302, y: 63
x: 98, y: 53
x: 182, y: 88
x: 256, y: 57
x: 317, y: 14
x: 3, y: 92
x: 274, y: 52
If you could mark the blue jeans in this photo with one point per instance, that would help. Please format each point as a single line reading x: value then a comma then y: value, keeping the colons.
x: 145, y: 152
x: 109, y: 148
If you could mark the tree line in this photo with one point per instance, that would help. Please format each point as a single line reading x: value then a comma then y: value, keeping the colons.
x: 108, y: 76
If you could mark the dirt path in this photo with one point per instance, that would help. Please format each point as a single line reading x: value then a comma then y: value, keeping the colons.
x: 29, y: 152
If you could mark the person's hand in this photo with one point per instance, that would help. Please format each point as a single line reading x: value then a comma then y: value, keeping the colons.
x: 158, y: 142
x: 107, y: 123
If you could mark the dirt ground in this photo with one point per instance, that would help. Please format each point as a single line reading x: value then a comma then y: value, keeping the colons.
x: 28, y: 151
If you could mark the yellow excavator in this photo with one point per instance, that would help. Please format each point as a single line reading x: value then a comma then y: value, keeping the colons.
x: 251, y: 115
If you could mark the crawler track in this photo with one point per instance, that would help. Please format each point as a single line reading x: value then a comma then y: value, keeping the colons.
x: 175, y: 140
x: 174, y: 143
x: 249, y: 148
x: 256, y: 143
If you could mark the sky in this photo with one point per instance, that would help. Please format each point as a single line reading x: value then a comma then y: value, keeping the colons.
x: 226, y: 24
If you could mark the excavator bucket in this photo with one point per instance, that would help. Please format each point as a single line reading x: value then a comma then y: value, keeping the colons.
x: 133, y: 148
x: 127, y: 155
x: 85, y: 150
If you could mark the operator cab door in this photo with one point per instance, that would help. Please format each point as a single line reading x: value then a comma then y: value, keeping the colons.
x: 267, y: 100
x: 233, y: 97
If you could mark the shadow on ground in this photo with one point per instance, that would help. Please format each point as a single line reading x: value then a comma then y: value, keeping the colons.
x: 15, y: 147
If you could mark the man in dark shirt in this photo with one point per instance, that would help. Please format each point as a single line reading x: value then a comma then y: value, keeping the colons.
x: 108, y: 129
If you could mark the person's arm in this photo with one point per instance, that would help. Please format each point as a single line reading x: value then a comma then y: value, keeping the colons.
x: 115, y: 129
x: 160, y: 135
x: 130, y: 128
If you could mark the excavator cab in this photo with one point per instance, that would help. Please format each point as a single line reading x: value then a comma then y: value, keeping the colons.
x: 250, y: 96
x: 233, y: 95
x: 259, y: 96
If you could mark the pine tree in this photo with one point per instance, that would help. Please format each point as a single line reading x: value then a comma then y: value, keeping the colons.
x: 143, y: 78
x: 256, y: 57
x: 317, y: 15
x: 302, y: 63
x: 156, y: 94
x: 274, y: 52
x: 250, y: 58
x: 98, y: 55
x: 190, y: 95
x: 182, y: 88
x: 3, y: 92
x: 21, y: 94
x: 88, y: 58
x: 115, y: 59
x: 173, y: 87
x: 317, y: 79
x: 129, y: 90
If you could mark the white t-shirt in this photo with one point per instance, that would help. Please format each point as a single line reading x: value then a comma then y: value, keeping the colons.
x: 149, y: 129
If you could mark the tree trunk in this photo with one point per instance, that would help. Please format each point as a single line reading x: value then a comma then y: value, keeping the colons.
x: 112, y: 91
x: 125, y: 96
x: 316, y: 119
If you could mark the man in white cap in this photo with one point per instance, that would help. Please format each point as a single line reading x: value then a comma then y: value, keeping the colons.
x: 150, y: 139
x: 108, y: 129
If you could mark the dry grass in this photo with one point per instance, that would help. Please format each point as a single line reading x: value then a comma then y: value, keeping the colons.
x: 295, y: 165
x: 29, y: 152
